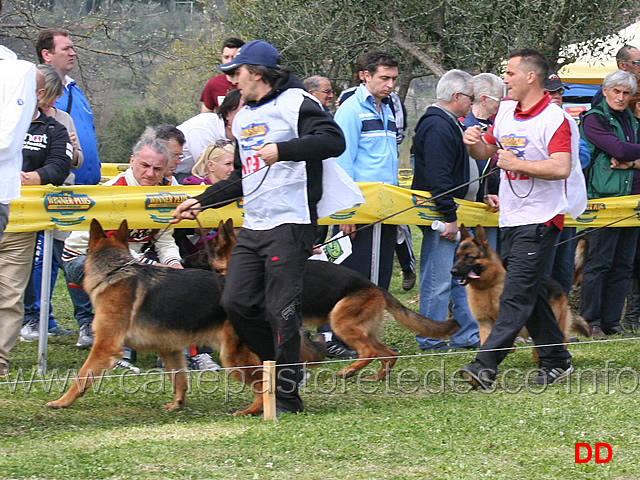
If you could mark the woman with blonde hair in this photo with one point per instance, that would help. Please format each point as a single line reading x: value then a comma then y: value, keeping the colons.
x: 214, y: 164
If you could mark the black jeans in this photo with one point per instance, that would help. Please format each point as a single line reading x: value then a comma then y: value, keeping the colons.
x: 607, y: 271
x: 525, y: 253
x: 262, y: 297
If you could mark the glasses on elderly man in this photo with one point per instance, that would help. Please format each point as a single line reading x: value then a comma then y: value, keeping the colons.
x: 635, y: 62
x: 472, y: 97
x: 560, y: 91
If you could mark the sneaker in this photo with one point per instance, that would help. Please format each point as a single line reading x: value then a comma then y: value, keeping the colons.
x: 408, y: 279
x: 548, y: 375
x: 126, y: 365
x: 203, y: 361
x: 30, y: 332
x: 339, y: 350
x: 477, y: 375
x: 85, y: 337
x: 58, y: 331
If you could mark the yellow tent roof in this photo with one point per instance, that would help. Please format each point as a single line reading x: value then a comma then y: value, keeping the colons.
x: 592, y: 72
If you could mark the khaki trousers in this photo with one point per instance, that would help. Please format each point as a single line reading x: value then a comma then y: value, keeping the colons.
x: 16, y: 259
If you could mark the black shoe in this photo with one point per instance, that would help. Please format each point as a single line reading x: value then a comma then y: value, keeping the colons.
x: 630, y: 325
x: 478, y: 376
x: 618, y: 331
x: 549, y: 375
x: 408, y: 279
x: 339, y: 350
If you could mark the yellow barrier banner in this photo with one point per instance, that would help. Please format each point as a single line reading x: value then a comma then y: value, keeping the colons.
x: 73, y: 207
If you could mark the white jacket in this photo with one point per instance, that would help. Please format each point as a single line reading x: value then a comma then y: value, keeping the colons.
x: 17, y: 105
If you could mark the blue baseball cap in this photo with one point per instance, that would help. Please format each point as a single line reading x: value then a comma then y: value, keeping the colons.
x: 256, y: 52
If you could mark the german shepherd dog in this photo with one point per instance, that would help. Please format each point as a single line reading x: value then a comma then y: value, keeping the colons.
x: 164, y: 310
x: 479, y: 267
x: 352, y: 304
x: 160, y: 309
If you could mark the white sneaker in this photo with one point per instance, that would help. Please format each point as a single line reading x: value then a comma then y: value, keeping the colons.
x: 203, y: 361
x: 29, y: 332
x: 126, y: 365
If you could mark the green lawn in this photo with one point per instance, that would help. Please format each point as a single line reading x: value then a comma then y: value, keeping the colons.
x: 419, y: 424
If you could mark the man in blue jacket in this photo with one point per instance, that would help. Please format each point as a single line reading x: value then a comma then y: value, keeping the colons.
x: 442, y: 163
x: 54, y: 47
x: 371, y: 155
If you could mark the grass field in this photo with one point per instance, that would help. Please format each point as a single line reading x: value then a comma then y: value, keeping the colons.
x: 420, y: 424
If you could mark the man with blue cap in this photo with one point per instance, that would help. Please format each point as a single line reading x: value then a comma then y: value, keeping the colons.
x: 283, y: 137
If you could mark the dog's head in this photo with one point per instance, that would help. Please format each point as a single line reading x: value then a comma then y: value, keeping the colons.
x: 216, y: 252
x: 471, y: 255
x: 98, y: 238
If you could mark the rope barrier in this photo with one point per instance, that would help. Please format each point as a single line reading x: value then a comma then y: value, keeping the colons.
x: 152, y: 372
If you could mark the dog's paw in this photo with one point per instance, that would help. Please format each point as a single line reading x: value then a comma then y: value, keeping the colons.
x: 56, y: 405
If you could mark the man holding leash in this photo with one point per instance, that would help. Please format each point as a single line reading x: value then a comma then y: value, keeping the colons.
x: 537, y: 145
x: 284, y: 137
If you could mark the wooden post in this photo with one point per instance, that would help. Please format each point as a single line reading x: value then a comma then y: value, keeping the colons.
x: 269, y: 391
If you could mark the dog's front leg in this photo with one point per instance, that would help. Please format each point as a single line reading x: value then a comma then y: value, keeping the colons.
x: 174, y: 362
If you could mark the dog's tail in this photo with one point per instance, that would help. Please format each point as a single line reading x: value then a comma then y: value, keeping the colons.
x: 416, y: 322
x: 579, y: 325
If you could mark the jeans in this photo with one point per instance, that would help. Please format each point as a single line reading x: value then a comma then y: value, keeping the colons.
x: 74, y: 273
x: 33, y: 290
x: 437, y: 286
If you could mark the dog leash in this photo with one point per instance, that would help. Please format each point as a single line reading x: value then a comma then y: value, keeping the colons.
x: 417, y: 204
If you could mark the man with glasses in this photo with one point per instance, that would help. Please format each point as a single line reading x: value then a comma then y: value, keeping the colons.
x: 628, y: 60
x: 441, y: 164
x: 320, y: 87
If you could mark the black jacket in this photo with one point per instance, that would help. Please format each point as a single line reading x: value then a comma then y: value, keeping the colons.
x: 441, y: 159
x: 319, y: 137
x: 47, y: 150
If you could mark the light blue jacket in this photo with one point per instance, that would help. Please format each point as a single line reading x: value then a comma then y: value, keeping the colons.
x: 370, y: 136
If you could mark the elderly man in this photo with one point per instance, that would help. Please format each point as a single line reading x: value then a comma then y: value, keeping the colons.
x: 628, y: 60
x: 442, y: 163
x: 611, y: 131
x: 147, y: 166
x: 320, y: 87
x: 543, y: 145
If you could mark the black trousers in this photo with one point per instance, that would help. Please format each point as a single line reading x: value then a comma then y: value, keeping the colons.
x: 525, y: 252
x: 262, y: 296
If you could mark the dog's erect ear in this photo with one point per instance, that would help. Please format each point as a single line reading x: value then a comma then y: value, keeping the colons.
x: 464, y: 233
x: 122, y: 234
x: 480, y: 236
x: 96, y: 231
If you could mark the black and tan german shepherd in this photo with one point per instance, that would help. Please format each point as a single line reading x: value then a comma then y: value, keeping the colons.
x: 352, y: 304
x: 164, y: 310
x: 479, y: 267
x: 160, y: 309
